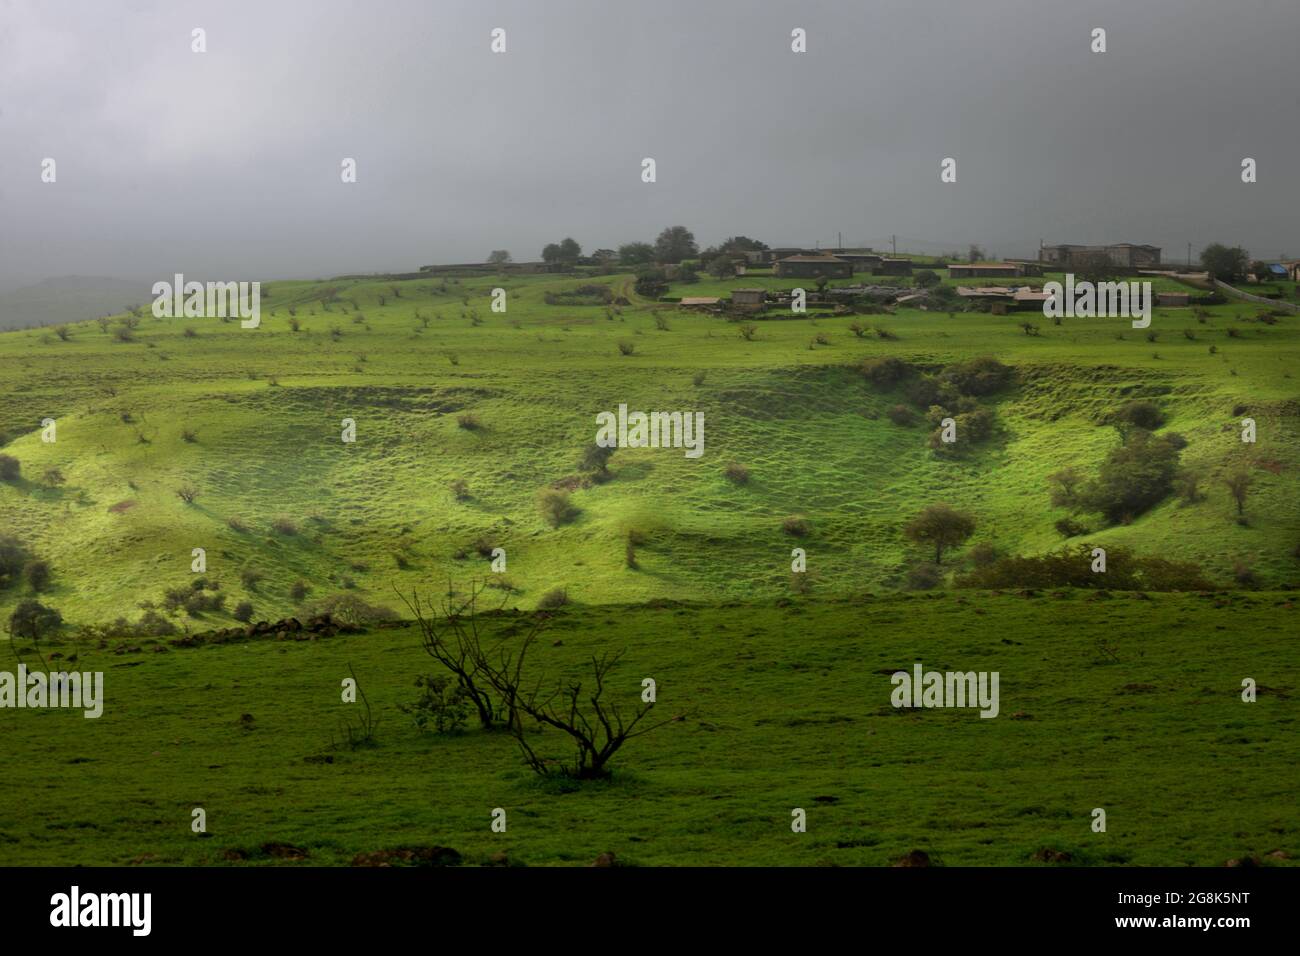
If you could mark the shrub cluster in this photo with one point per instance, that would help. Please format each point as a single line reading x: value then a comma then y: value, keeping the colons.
x: 1072, y: 568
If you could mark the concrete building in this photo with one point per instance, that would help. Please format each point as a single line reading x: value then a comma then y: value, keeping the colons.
x: 894, y: 267
x: 748, y: 298
x: 813, y: 267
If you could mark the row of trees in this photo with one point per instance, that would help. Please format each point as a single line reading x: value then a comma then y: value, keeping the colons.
x: 1232, y: 263
x: 673, y: 245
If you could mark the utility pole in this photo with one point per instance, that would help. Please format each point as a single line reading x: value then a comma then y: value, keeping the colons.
x: 839, y: 237
x: 1189, y: 256
x: 893, y: 242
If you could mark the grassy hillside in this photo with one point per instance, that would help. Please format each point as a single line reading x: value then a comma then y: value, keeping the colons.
x: 263, y: 409
x: 787, y: 706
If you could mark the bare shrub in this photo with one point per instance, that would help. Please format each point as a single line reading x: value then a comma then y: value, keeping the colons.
x: 736, y: 473
x: 556, y: 508
x: 796, y: 526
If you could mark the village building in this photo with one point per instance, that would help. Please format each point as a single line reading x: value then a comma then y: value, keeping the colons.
x: 813, y: 267
x: 1030, y: 298
x: 699, y: 300
x: 748, y: 298
x: 769, y: 256
x: 894, y: 267
x: 986, y: 270
x: 1028, y: 267
x: 862, y: 261
x: 986, y: 292
x: 1124, y: 254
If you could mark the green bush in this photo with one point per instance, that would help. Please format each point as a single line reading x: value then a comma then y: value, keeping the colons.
x: 796, y: 526
x: 1135, y: 476
x: 1072, y: 567
x: 13, y: 558
x: 38, y: 574
x: 442, y: 703
x: 555, y: 507
x: 885, y: 373
x: 555, y: 598
x: 1140, y: 413
x: 978, y: 376
x: 33, y: 621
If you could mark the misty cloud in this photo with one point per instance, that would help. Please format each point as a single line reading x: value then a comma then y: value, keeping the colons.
x: 226, y: 164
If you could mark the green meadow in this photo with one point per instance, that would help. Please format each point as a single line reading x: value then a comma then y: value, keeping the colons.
x: 784, y: 707
x: 464, y: 415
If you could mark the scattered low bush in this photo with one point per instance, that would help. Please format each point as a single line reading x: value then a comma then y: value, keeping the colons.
x: 901, y: 415
x: 38, y: 573
x: 284, y: 525
x: 736, y: 473
x: 1069, y: 528
x: 983, y: 554
x: 555, y: 598
x: 13, y: 557
x: 556, y: 508
x: 885, y: 373
x: 796, y: 526
x: 1141, y: 414
x: 978, y: 376
x: 924, y: 576
x: 351, y: 611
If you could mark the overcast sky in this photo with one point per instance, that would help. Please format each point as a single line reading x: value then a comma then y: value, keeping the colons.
x: 226, y: 165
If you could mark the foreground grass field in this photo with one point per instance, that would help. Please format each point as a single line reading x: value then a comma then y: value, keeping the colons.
x: 787, y: 706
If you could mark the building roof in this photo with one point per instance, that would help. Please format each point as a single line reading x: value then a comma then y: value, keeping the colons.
x: 810, y: 259
x: 982, y: 265
x: 1277, y: 268
x: 700, y: 300
x: 985, y: 291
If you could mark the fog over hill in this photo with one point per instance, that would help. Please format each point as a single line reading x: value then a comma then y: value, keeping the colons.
x: 69, y: 299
